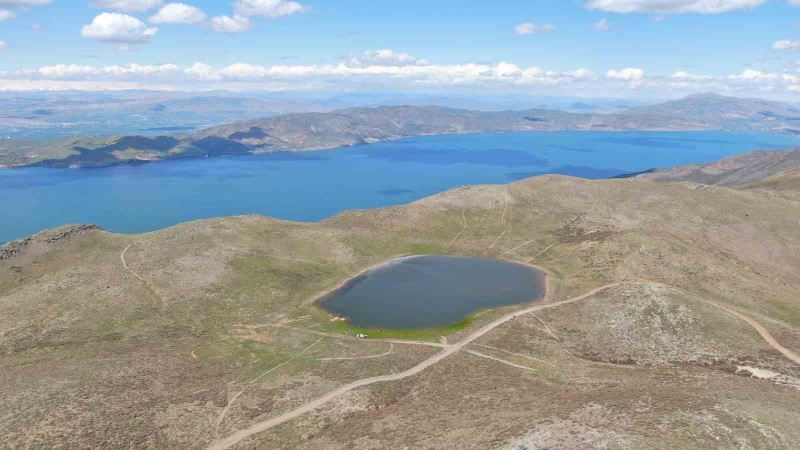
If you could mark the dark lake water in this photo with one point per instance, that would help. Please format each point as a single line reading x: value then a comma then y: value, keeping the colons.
x: 310, y: 186
x: 432, y: 290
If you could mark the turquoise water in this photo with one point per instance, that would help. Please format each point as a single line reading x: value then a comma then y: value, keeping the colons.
x: 310, y: 186
x: 432, y: 290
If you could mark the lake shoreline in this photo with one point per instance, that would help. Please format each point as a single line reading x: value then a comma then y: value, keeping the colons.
x: 493, y: 266
x: 137, y: 198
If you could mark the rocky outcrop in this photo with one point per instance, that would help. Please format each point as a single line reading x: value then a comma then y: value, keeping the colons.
x: 68, y: 231
x: 14, y: 248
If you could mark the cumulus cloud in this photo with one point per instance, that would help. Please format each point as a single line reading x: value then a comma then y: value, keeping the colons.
x: 385, y: 67
x: 67, y: 71
x: 672, y: 6
x: 682, y: 75
x: 529, y: 28
x: 130, y: 71
x: 227, y: 24
x: 385, y: 57
x: 178, y: 13
x: 627, y: 74
x: 751, y: 75
x: 203, y: 72
x: 6, y: 14
x: 118, y: 28
x: 789, y: 46
x: 128, y: 5
x: 272, y: 9
x: 502, y: 73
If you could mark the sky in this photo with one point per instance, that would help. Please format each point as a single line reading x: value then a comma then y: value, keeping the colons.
x: 608, y: 48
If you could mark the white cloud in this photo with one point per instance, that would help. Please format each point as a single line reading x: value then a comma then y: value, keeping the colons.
x: 400, y: 71
x: 203, y: 72
x: 627, y: 74
x: 601, y: 25
x: 751, y: 75
x: 6, y: 14
x: 672, y: 6
x: 686, y: 76
x: 3, y: 46
x: 227, y: 24
x: 145, y: 71
x: 67, y: 71
x: 128, y: 5
x: 789, y: 46
x: 268, y: 8
x: 385, y: 57
x: 178, y: 13
x: 130, y: 71
x: 584, y: 74
x: 529, y: 28
x: 503, y: 73
x: 119, y: 28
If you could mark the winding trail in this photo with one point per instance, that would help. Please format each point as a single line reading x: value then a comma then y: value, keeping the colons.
x: 448, y: 350
x: 760, y: 329
x: 541, y: 361
x: 269, y: 255
x: 146, y: 283
x: 353, y: 358
x: 500, y: 360
x: 524, y: 244
x: 262, y: 375
x: 458, y: 235
x: 506, y: 226
x: 533, y: 258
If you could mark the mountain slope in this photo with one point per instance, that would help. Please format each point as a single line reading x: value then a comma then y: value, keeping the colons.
x: 788, y: 180
x: 313, y: 131
x: 184, y: 336
x: 364, y: 125
x: 713, y: 111
x: 739, y: 170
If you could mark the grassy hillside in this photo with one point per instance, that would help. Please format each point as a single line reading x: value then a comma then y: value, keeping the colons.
x: 741, y: 170
x: 183, y: 336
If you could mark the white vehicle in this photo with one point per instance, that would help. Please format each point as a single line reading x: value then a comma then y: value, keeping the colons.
x: 361, y: 335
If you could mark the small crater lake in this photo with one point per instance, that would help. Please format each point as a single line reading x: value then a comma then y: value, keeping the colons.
x: 432, y: 290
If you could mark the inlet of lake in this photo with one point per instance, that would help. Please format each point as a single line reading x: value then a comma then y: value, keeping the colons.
x: 432, y: 290
x: 310, y: 186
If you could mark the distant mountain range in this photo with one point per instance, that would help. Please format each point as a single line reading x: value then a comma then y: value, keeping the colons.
x: 61, y: 115
x: 346, y: 127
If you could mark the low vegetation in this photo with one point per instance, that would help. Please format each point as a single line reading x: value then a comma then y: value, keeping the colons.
x: 183, y: 336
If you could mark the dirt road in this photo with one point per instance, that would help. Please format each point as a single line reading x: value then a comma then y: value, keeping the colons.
x: 447, y: 351
x: 761, y: 330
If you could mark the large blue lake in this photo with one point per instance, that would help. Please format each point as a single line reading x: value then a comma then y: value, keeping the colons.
x: 310, y: 186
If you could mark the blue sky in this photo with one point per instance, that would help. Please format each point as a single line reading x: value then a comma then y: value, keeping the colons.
x: 633, y: 48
